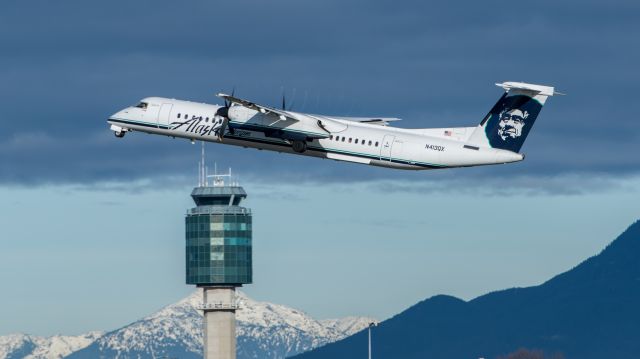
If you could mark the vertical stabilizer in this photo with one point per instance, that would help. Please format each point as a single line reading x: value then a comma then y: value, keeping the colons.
x: 508, y: 123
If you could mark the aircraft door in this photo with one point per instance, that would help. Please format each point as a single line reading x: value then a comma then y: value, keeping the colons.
x: 385, y: 148
x: 396, y: 149
x: 151, y: 113
x: 165, y: 112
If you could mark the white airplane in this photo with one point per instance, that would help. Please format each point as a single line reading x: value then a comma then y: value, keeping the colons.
x: 496, y: 140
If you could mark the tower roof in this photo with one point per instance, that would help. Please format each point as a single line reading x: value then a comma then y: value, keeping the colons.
x: 226, y: 191
x: 218, y: 196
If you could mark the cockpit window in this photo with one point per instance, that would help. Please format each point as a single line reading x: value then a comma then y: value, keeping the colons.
x: 142, y: 105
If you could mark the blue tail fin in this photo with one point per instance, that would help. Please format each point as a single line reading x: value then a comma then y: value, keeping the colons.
x: 508, y: 123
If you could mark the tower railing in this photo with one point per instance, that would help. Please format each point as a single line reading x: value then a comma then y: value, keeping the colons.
x: 220, y: 306
x: 218, y: 210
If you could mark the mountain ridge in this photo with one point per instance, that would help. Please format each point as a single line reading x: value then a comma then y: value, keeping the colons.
x: 264, y: 330
x: 19, y: 345
x: 589, y: 311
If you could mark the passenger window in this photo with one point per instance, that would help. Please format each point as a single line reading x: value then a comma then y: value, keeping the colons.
x: 349, y: 139
x: 376, y: 143
x: 178, y: 115
x: 356, y: 141
x: 369, y: 142
x: 206, y: 119
x: 186, y: 116
x: 331, y: 137
x: 343, y: 139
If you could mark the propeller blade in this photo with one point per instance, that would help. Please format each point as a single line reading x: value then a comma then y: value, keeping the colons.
x: 223, y: 127
x: 227, y: 103
x: 293, y: 99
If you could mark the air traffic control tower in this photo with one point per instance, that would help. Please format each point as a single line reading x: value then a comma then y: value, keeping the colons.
x: 218, y: 258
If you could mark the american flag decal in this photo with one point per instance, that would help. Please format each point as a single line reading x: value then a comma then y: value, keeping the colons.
x: 447, y: 133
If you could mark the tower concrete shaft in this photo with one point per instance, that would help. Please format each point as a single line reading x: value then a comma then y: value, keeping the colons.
x: 219, y: 306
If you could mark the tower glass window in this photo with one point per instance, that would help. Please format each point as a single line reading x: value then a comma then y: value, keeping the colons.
x: 218, y: 237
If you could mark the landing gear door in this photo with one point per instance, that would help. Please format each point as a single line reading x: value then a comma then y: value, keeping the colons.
x: 165, y: 112
x: 385, y: 148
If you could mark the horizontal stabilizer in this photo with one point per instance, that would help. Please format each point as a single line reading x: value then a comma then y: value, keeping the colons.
x: 538, y: 89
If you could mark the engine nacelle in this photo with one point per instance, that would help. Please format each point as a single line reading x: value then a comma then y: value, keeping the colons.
x: 243, y: 114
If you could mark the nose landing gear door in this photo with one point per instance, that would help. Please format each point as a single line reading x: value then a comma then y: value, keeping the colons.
x: 164, y: 116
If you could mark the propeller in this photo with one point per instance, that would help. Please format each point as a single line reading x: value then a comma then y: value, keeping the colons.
x: 224, y: 113
x: 284, y: 103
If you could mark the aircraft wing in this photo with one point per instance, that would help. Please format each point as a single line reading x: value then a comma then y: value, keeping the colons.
x: 381, y: 121
x: 284, y: 115
x: 293, y: 116
x: 287, y: 125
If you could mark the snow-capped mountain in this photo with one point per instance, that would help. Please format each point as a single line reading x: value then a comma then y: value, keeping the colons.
x: 33, y: 347
x: 264, y: 330
x: 273, y: 331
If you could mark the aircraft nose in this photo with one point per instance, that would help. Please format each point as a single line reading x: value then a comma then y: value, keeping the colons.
x: 119, y: 115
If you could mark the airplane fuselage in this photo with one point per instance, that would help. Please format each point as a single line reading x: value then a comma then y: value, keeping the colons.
x: 343, y: 140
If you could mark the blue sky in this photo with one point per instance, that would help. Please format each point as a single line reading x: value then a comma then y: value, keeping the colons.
x: 66, y: 66
x: 74, y: 259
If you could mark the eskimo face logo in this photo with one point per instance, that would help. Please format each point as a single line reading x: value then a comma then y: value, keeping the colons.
x: 511, y: 123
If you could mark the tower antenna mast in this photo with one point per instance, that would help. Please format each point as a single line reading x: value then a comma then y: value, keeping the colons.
x: 203, y: 178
